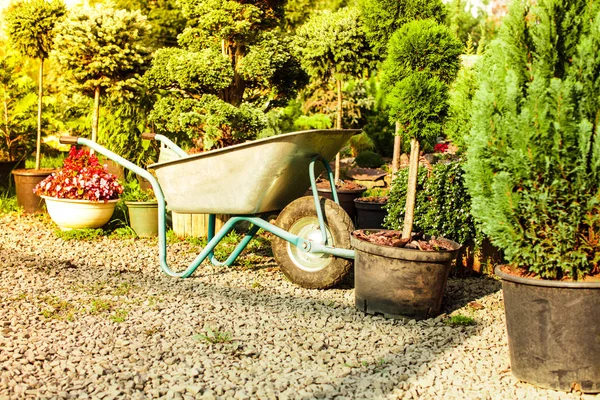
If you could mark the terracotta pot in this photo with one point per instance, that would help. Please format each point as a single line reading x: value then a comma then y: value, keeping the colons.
x: 79, y: 214
x: 25, y: 181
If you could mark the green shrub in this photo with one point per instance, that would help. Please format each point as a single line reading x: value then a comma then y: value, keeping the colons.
x: 369, y: 159
x: 442, y: 206
x: 533, y: 166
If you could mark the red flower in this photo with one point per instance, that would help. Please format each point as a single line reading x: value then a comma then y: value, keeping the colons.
x: 440, y: 148
x: 81, y: 178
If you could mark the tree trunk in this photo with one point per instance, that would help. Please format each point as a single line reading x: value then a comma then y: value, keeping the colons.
x: 397, y: 150
x: 6, y: 127
x: 411, y: 189
x: 38, y: 143
x: 95, y: 115
x: 338, y: 126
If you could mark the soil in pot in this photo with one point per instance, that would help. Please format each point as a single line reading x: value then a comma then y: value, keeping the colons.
x: 347, y: 192
x: 370, y: 212
x: 400, y: 278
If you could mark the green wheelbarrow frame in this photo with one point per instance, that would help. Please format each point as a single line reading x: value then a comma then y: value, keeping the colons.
x: 214, y: 239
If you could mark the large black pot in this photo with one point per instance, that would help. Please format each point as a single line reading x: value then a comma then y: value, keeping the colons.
x: 345, y: 196
x: 369, y: 214
x: 398, y: 282
x: 553, y: 332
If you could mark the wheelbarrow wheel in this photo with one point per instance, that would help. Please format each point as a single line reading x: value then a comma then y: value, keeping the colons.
x: 312, y: 270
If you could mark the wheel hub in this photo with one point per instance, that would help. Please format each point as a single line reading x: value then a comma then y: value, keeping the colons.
x: 308, y: 229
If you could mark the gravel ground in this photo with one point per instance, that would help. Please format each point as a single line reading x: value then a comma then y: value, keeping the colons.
x: 97, y: 319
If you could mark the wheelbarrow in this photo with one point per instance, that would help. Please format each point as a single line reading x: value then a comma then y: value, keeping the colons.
x: 311, y: 234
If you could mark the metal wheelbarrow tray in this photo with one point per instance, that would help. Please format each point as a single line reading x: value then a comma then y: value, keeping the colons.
x: 311, y: 239
x: 250, y: 178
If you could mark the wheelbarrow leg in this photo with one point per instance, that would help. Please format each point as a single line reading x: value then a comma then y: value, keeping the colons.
x: 238, y: 249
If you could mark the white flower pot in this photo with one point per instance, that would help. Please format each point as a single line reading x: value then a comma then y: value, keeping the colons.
x: 79, y: 214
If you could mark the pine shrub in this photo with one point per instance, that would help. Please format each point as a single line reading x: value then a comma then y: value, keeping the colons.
x: 533, y: 151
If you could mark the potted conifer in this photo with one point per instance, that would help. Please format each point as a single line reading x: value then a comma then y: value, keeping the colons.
x: 422, y: 60
x: 533, y: 170
x: 30, y: 27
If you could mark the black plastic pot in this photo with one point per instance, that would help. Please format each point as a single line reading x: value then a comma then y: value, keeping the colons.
x: 6, y: 167
x: 345, y: 196
x: 398, y: 282
x: 369, y: 215
x: 553, y: 332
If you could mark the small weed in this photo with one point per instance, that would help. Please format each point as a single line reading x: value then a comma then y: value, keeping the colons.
x: 213, y: 336
x: 124, y: 232
x: 151, y: 331
x: 79, y: 234
x: 8, y: 202
x: 196, y: 241
x: 20, y: 296
x: 99, y: 306
x: 172, y: 237
x: 365, y: 363
x: 57, y: 308
x: 123, y: 289
x: 119, y: 316
x: 94, y: 288
x: 459, y: 320
x: 256, y: 285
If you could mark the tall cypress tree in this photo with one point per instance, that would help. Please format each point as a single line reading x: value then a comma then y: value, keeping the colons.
x: 533, y: 152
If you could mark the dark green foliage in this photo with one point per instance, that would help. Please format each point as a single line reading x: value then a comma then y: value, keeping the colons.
x: 534, y: 153
x: 297, y: 12
x: 442, y: 207
x: 18, y: 116
x: 164, y: 16
x: 423, y: 59
x: 102, y: 47
x: 384, y: 17
x: 123, y: 124
x: 207, y: 122
x: 368, y: 159
x: 196, y: 72
x: 458, y: 123
x: 377, y: 121
x: 463, y: 24
x: 334, y: 44
x: 30, y: 25
x: 233, y: 64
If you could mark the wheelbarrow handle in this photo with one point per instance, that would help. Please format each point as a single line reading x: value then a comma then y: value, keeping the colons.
x: 68, y: 139
x: 148, y: 135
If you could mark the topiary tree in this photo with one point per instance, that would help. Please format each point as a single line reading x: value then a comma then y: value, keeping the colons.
x: 30, y: 27
x: 101, y: 50
x: 233, y: 64
x: 533, y: 164
x: 384, y: 17
x: 334, y: 46
x: 422, y: 60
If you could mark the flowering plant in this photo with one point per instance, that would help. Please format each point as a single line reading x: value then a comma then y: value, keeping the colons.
x: 81, y: 178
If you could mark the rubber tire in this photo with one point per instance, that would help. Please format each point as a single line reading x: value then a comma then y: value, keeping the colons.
x: 340, y: 226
